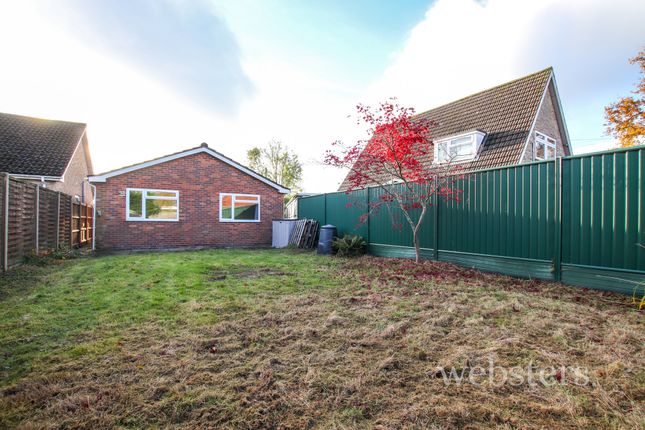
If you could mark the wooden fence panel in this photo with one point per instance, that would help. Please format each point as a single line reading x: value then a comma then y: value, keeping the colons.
x: 47, y: 219
x: 64, y: 223
x: 76, y: 224
x: 3, y: 239
x: 39, y: 220
x: 22, y: 226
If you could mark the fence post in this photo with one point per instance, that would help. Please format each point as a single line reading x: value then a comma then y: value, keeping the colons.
x: 435, y: 203
x: 557, y: 255
x: 5, y: 254
x: 71, y: 222
x: 80, y: 224
x: 369, y: 215
x: 325, y: 208
x: 83, y: 224
x: 37, y: 218
x: 58, y: 221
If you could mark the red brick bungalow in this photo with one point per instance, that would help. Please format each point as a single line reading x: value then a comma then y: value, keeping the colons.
x: 194, y: 198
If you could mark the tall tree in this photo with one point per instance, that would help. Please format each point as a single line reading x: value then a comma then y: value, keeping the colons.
x: 394, y: 158
x: 626, y: 117
x: 278, y: 163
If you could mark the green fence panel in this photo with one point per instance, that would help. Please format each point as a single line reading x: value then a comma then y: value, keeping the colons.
x: 312, y: 207
x: 505, y: 212
x: 388, y: 225
x: 603, y: 210
x: 344, y: 211
x: 340, y: 209
x: 579, y: 219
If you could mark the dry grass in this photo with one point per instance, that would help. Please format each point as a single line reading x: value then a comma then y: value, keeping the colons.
x: 361, y: 351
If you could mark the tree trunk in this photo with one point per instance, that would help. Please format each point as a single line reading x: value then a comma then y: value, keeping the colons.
x: 415, y: 230
x: 417, y: 247
x: 415, y: 235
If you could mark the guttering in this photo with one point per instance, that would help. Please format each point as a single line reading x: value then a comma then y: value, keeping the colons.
x: 201, y: 149
x: 40, y: 178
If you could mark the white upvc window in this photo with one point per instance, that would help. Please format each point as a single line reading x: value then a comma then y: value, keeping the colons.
x: 151, y: 205
x: 458, y: 148
x: 544, y: 148
x: 239, y: 207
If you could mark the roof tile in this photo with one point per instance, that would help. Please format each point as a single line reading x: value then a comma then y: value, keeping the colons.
x: 34, y: 146
x: 505, y: 113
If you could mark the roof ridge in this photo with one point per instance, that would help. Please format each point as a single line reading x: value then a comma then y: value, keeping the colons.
x: 201, y: 148
x: 550, y: 68
x: 148, y: 161
x: 43, y: 119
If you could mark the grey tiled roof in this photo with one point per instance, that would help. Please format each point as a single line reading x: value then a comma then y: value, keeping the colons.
x: 34, y: 146
x: 505, y: 113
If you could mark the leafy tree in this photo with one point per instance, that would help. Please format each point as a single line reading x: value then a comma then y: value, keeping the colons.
x: 626, y: 117
x: 278, y: 163
x: 394, y: 158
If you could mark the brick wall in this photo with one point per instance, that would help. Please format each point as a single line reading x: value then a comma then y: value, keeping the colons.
x: 74, y: 182
x: 546, y: 123
x: 199, y: 178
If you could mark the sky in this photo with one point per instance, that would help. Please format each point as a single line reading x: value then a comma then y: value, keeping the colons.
x: 152, y: 77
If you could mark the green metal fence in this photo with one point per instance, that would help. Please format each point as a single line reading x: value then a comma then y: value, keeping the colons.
x: 577, y: 219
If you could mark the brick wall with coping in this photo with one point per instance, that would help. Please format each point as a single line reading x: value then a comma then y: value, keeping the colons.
x: 199, y: 178
x: 546, y: 123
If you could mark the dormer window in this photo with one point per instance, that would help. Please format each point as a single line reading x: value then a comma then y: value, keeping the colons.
x: 458, y: 148
x: 544, y: 147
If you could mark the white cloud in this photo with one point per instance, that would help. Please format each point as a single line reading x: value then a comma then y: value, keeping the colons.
x: 133, y: 117
x: 130, y: 116
x: 464, y: 46
x: 459, y: 47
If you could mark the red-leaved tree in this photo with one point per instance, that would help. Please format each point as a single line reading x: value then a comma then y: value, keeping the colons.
x: 396, y: 158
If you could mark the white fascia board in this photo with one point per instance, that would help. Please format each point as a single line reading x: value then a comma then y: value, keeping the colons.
x: 37, y: 177
x: 103, y: 178
x: 537, y: 114
x: 79, y: 143
x: 563, y: 122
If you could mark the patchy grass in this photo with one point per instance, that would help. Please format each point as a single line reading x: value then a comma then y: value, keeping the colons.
x: 270, y: 339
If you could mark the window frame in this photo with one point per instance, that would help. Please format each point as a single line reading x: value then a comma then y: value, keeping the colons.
x: 233, y: 195
x: 544, y: 139
x: 476, y: 138
x: 144, y: 197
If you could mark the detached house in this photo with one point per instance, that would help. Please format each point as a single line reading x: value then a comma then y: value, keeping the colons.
x: 52, y: 153
x: 517, y: 122
x: 193, y: 198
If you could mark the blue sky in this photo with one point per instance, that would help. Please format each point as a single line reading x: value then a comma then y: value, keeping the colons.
x: 152, y: 77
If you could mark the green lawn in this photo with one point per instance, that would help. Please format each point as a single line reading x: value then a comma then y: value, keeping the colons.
x: 269, y: 339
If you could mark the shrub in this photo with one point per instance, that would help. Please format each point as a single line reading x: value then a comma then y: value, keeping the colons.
x: 63, y: 252
x: 35, y: 259
x: 349, y: 246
